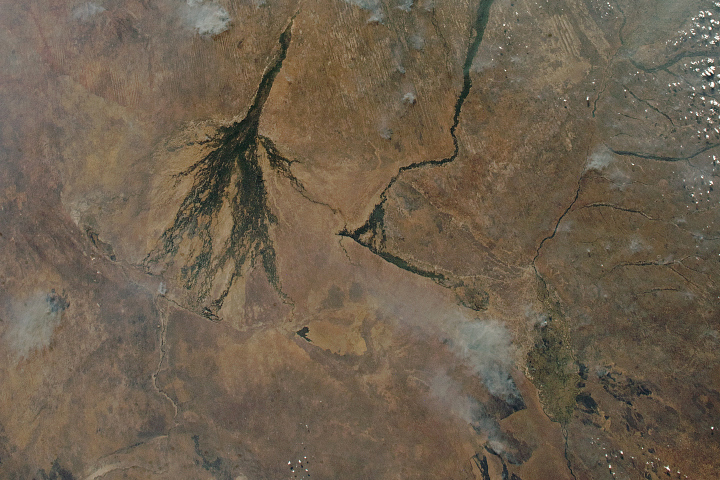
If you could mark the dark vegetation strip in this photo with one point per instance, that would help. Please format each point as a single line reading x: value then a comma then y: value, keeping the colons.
x: 230, y: 173
x: 372, y: 234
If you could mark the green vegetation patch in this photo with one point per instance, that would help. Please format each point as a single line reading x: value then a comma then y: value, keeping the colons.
x: 552, y: 367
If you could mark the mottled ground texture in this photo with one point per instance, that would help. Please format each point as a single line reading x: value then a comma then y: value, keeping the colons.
x: 359, y: 239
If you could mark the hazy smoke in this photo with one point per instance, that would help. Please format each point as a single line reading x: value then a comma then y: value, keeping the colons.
x: 599, y: 159
x: 373, y: 6
x: 445, y: 389
x: 86, y: 11
x: 407, y: 5
x: 32, y: 322
x: 483, y: 345
x: 207, y: 18
x: 449, y: 394
x: 486, y: 347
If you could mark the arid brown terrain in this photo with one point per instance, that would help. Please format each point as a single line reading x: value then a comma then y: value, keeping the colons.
x: 359, y: 239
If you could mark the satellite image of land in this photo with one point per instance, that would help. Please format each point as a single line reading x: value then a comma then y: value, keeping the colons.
x: 359, y: 239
